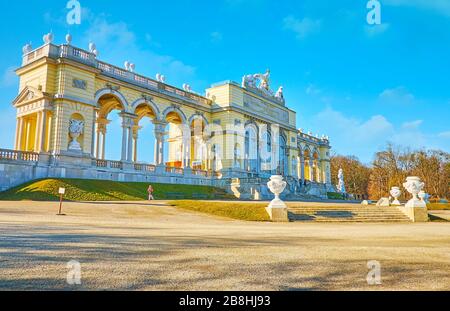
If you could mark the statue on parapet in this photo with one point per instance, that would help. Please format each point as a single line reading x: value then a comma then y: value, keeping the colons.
x: 264, y: 81
x: 279, y: 93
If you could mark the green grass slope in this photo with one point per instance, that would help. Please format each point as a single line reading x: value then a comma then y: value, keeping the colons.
x: 234, y: 210
x: 100, y: 190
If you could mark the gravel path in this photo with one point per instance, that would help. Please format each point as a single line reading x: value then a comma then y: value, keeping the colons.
x: 138, y: 246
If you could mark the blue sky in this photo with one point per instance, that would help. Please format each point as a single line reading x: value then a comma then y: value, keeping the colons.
x: 361, y: 85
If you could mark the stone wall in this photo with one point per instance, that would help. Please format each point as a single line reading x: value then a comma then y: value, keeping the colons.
x: 13, y: 173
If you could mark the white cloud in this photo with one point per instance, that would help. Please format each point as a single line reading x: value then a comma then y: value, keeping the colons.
x: 438, y: 6
x: 303, y: 27
x: 103, y: 33
x: 9, y: 77
x: 445, y: 135
x: 412, y: 124
x: 116, y: 43
x: 398, y: 95
x: 362, y: 138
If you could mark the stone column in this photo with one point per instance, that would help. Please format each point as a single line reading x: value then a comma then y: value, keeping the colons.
x: 159, y: 141
x: 135, y: 146
x: 27, y: 138
x: 37, y: 132
x: 103, y: 135
x: 302, y: 167
x: 43, y: 131
x: 161, y: 150
x: 124, y: 142
x: 19, y: 132
x: 97, y: 146
x: 130, y: 145
x: 49, y: 132
x: 311, y: 170
x: 323, y: 178
x: 186, y: 153
x: 318, y: 173
x: 155, y: 151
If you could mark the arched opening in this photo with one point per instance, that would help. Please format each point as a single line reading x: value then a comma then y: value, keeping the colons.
x: 251, y: 149
x: 109, y: 125
x: 237, y: 156
x: 144, y: 134
x: 216, y: 160
x: 307, y: 166
x: 294, y: 167
x: 266, y: 152
x: 283, y: 161
x: 173, y: 155
x: 198, y: 150
x: 28, y: 138
x: 316, y: 169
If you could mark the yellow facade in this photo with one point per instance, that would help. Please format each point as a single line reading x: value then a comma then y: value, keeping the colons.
x: 63, y: 84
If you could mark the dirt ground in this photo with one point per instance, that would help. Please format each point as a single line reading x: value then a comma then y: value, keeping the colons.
x: 142, y: 246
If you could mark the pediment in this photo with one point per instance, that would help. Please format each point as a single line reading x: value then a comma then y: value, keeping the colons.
x: 27, y: 95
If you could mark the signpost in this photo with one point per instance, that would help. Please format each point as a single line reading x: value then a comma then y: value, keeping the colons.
x: 61, y: 192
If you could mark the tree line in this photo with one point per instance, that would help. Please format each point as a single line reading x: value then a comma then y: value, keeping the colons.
x: 390, y: 167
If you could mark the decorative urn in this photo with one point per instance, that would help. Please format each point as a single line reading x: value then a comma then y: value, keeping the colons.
x: 395, y: 193
x: 75, y: 130
x: 277, y: 185
x: 413, y: 185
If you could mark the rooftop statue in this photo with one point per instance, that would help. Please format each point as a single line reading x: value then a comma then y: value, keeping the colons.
x: 261, y: 82
x: 264, y: 80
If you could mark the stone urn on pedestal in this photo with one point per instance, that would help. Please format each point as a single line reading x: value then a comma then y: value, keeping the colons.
x: 75, y: 130
x: 414, y: 186
x: 395, y: 193
x: 277, y: 209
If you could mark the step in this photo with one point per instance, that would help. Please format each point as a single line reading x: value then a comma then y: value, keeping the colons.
x: 347, y: 214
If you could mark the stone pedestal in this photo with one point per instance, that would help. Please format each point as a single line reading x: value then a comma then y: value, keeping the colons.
x: 74, y: 158
x: 416, y: 214
x: 277, y: 209
x: 278, y: 213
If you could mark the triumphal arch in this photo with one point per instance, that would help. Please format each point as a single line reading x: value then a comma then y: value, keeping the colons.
x: 234, y: 136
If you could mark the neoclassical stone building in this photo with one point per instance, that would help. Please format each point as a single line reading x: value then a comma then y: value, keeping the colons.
x: 235, y: 136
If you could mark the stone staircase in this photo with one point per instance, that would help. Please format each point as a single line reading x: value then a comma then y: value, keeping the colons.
x: 347, y: 214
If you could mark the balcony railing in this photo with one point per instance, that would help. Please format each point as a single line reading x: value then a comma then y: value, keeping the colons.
x: 200, y: 173
x: 108, y: 164
x: 19, y: 155
x: 144, y: 167
x: 85, y: 57
x: 313, y: 138
x: 174, y: 170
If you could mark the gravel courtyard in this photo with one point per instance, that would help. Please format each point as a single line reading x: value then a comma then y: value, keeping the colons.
x: 138, y: 246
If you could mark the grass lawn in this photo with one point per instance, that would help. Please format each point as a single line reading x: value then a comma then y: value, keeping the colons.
x: 100, y: 190
x: 234, y: 210
x: 438, y: 206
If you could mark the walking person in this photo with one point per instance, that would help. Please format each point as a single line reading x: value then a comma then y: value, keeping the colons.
x: 150, y: 193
